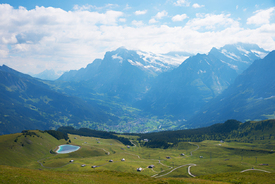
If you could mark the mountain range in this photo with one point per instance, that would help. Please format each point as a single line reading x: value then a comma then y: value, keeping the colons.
x: 250, y: 97
x: 200, y: 78
x: 131, y: 90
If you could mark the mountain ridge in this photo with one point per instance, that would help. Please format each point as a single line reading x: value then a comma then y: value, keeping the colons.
x: 27, y: 103
x: 184, y: 90
x: 250, y: 97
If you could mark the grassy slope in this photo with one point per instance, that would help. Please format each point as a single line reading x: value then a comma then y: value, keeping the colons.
x: 218, y: 158
x: 27, y: 149
x: 18, y: 175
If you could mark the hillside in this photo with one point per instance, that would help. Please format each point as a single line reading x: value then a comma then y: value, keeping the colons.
x: 206, y: 161
x: 27, y: 103
x: 24, y: 149
x: 230, y: 130
x: 250, y: 97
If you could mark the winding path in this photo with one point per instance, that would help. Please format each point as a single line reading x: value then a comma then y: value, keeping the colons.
x: 189, y: 172
x: 132, y: 154
x: 164, y: 165
x: 133, y: 143
x: 255, y: 170
x: 105, y: 151
x: 189, y: 165
x: 176, y: 169
x: 195, y: 149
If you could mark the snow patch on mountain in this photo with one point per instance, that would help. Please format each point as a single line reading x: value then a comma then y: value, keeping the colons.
x: 243, y: 50
x: 259, y: 53
x: 135, y: 63
x: 117, y: 57
x: 201, y: 71
x: 153, y: 67
x: 230, y: 65
x: 231, y: 55
x: 160, y: 58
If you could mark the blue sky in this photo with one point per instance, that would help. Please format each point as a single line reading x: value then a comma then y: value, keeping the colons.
x: 64, y: 35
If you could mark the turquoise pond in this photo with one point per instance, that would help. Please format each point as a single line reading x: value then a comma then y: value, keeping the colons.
x: 67, y: 148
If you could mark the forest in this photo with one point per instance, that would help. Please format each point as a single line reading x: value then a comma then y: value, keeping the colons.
x: 231, y: 130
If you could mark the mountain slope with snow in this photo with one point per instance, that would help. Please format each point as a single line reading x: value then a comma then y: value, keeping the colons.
x: 184, y: 90
x: 250, y: 97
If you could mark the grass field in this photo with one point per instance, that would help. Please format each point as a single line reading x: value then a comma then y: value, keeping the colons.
x: 209, y: 160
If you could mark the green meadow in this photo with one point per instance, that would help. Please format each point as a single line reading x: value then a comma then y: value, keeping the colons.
x: 29, y: 159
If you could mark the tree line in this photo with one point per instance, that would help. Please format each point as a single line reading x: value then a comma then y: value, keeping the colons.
x: 94, y: 133
x: 231, y: 130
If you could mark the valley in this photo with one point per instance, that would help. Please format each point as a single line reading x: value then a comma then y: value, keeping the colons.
x: 138, y: 92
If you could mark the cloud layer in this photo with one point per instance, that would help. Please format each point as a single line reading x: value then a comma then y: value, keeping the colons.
x: 52, y: 38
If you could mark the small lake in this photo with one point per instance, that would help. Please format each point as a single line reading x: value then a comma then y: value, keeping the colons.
x: 67, y: 148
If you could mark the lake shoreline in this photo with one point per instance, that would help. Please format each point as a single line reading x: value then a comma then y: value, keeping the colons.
x: 60, y: 149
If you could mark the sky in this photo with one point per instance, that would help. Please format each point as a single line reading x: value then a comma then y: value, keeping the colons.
x: 67, y: 34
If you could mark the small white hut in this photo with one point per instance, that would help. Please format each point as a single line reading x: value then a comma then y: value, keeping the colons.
x: 139, y: 169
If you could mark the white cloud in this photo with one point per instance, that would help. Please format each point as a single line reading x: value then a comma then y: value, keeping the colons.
x: 127, y: 7
x: 84, y: 7
x: 161, y: 14
x: 89, y: 7
x: 179, y: 17
x: 137, y: 23
x: 122, y: 20
x: 182, y: 3
x: 261, y: 17
x: 196, y: 5
x: 139, y: 12
x: 211, y: 21
x: 158, y: 16
x: 237, y: 7
x: 152, y: 21
x: 51, y: 38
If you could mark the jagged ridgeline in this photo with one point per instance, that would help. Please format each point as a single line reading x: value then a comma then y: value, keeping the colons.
x: 231, y: 130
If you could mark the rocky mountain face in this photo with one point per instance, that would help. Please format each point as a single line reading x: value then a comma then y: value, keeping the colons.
x: 184, y: 90
x: 148, y: 62
x: 239, y: 56
x: 250, y: 97
x: 122, y: 73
